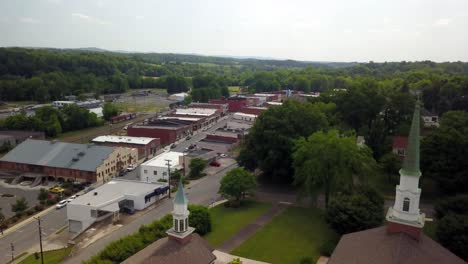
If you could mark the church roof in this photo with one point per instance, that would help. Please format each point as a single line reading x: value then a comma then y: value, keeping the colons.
x: 377, y: 246
x: 168, y: 251
x: 180, y: 197
x: 411, y: 162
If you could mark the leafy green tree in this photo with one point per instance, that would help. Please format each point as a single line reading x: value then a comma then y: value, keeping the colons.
x: 109, y: 110
x: 200, y: 219
x: 20, y: 205
x: 43, y: 195
x: 455, y: 204
x: 390, y: 164
x: 444, y: 152
x: 271, y: 140
x: 196, y: 167
x: 328, y: 160
x: 452, y: 233
x: 237, y: 184
x: 187, y: 100
x: 361, y: 210
x: 176, y: 84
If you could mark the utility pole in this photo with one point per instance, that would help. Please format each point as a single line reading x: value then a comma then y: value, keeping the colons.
x: 40, y: 238
x: 12, y: 252
x: 169, y: 175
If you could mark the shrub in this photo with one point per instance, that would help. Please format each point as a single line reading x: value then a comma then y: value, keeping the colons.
x: 30, y: 211
x: 327, y: 248
x: 362, y: 210
x: 200, y: 219
x: 67, y: 192
x: 39, y: 207
x: 43, y: 195
x: 236, y: 261
x: 197, y: 166
x: 20, y: 205
x: 50, y: 202
x: 125, y: 247
x: 19, y: 215
x: 452, y: 233
x: 306, y: 260
x: 455, y: 204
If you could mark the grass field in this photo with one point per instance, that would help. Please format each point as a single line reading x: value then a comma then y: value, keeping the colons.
x: 140, y: 107
x: 234, y: 89
x: 295, y: 234
x: 50, y: 257
x: 228, y: 221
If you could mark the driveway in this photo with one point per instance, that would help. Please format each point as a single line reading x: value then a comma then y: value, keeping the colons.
x: 18, y: 192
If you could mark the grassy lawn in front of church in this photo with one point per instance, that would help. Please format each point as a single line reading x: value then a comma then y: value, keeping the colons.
x: 226, y: 221
x: 295, y: 234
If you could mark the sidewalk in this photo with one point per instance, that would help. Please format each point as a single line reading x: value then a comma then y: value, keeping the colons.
x: 27, y: 220
x: 248, y: 231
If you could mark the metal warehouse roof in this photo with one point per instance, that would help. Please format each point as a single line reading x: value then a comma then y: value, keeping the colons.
x: 124, y: 139
x: 59, y: 154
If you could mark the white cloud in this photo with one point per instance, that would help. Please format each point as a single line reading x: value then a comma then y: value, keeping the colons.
x: 54, y: 1
x: 442, y: 22
x: 90, y: 19
x: 29, y: 20
x: 139, y: 17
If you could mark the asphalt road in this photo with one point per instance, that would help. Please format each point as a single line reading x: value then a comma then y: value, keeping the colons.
x: 28, y: 236
x: 203, y: 191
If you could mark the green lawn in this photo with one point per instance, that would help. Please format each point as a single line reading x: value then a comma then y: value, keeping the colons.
x: 295, y: 234
x: 228, y: 221
x: 50, y: 257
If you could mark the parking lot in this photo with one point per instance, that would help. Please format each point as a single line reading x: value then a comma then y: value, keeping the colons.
x: 8, y: 196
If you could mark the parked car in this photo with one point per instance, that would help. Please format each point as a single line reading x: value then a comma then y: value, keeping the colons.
x: 56, y: 189
x: 173, y: 146
x: 61, y: 204
x: 131, y: 167
x: 214, y: 163
x: 188, y: 137
x: 73, y: 196
x: 127, y: 210
x: 222, y: 155
x: 122, y: 173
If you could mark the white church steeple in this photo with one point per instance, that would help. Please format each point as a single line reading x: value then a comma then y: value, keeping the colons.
x: 180, y: 230
x: 405, y: 216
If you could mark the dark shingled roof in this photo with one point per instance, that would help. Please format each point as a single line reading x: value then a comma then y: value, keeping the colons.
x: 166, y: 251
x: 375, y: 245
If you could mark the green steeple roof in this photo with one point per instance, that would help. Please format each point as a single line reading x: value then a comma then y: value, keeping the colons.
x: 411, y: 162
x: 180, y: 197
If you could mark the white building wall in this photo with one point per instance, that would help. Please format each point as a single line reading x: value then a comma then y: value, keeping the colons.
x: 153, y: 173
x: 81, y: 213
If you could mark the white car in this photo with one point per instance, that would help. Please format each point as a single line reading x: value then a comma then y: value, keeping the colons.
x: 222, y: 155
x: 131, y: 167
x: 73, y: 197
x: 61, y: 204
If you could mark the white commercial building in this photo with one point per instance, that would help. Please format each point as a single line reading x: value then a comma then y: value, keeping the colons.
x: 156, y: 168
x: 109, y: 199
x: 202, y: 112
x: 245, y: 117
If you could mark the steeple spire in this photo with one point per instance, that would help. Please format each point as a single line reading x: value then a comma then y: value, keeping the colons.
x: 180, y: 231
x: 411, y: 162
x: 404, y: 216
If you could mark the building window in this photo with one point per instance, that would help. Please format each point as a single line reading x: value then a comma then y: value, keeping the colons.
x: 164, y: 173
x: 176, y: 225
x: 406, y: 204
x: 186, y: 222
x: 145, y: 171
x: 155, y: 172
x: 181, y: 226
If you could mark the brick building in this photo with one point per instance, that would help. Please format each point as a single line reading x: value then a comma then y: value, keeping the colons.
x: 68, y: 161
x: 146, y: 146
x: 168, y: 131
x: 234, y: 103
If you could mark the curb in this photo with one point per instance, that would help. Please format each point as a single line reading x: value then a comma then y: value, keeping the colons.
x: 27, y: 221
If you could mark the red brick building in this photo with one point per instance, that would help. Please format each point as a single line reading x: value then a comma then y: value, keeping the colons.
x: 234, y: 103
x: 167, y: 133
x: 253, y: 110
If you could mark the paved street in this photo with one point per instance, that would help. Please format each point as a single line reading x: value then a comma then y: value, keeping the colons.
x: 27, y: 236
x: 203, y: 191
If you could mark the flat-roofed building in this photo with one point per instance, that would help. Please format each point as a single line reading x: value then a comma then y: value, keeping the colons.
x: 109, y: 199
x: 245, y: 117
x: 168, y: 131
x: 146, y: 146
x: 156, y: 168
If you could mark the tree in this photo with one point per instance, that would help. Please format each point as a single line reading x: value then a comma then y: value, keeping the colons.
x: 390, y: 164
x: 329, y: 160
x: 270, y: 141
x: 196, y: 167
x: 200, y: 219
x: 237, y: 184
x: 362, y: 210
x: 43, y: 195
x: 176, y: 84
x: 444, y: 152
x: 20, y: 205
x: 109, y: 110
x: 452, y: 233
x: 455, y: 204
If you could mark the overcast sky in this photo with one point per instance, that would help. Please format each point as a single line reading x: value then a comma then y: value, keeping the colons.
x: 325, y: 30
